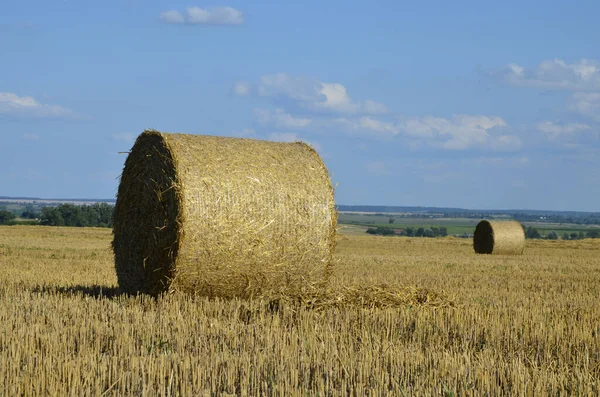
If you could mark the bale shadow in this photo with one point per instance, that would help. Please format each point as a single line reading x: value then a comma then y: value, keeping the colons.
x: 92, y: 291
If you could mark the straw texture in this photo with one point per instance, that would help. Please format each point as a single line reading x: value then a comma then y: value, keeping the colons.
x: 226, y: 217
x: 499, y: 237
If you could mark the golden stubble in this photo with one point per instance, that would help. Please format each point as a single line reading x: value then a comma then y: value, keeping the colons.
x: 474, y: 324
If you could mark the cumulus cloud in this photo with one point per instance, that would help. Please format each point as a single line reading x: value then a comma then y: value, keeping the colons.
x: 204, y: 16
x: 331, y: 107
x: 458, y: 133
x: 316, y: 95
x: 279, y: 118
x: 556, y: 74
x: 461, y: 132
x: 302, y: 89
x: 25, y: 106
x: 556, y: 130
x: 335, y: 97
x: 172, y: 17
x: 241, y: 88
x: 586, y: 104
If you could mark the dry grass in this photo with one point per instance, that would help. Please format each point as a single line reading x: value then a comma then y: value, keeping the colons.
x: 222, y: 216
x: 444, y: 321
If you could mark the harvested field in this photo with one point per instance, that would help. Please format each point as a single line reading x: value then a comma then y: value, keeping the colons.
x: 402, y: 316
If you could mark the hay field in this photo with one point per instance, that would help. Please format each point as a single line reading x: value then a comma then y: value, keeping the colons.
x: 476, y: 324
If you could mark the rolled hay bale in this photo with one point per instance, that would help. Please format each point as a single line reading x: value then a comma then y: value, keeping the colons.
x: 227, y: 217
x: 499, y: 237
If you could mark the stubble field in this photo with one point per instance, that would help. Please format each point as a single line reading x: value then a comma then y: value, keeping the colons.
x: 413, y: 316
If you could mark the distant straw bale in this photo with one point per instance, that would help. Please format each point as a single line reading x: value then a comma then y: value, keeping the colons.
x: 499, y: 237
x: 228, y: 217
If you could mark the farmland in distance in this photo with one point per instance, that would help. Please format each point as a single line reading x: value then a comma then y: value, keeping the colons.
x: 478, y: 324
x: 356, y: 221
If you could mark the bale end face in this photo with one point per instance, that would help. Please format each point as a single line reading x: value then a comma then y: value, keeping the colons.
x: 147, y: 218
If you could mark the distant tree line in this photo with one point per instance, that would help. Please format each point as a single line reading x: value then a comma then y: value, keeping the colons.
x: 409, y: 231
x: 592, y: 219
x: 95, y: 215
x: 530, y: 233
x: 583, y: 219
x: 7, y: 217
x: 571, y: 217
x: 533, y: 233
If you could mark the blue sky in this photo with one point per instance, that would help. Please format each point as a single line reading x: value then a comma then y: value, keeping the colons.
x: 462, y: 104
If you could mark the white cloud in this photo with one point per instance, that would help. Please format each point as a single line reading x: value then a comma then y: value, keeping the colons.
x: 372, y: 124
x: 315, y: 95
x: 461, y: 132
x: 506, y: 142
x: 216, y: 16
x: 555, y: 130
x: 172, y: 17
x: 556, y: 74
x: 458, y: 133
x: 297, y: 88
x: 586, y: 104
x: 14, y: 105
x: 335, y: 97
x: 280, y: 119
x: 336, y: 110
x: 204, y: 16
x: 241, y: 88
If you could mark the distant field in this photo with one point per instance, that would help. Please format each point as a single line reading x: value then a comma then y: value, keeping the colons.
x: 455, y: 226
x: 462, y: 325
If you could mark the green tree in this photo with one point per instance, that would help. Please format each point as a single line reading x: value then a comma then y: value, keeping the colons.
x: 382, y: 231
x: 30, y: 213
x: 391, y: 220
x: 565, y: 236
x: 593, y: 234
x: 532, y: 233
x: 6, y: 217
x: 78, y: 215
x: 428, y: 233
x: 72, y: 214
x: 552, y: 235
x: 574, y: 236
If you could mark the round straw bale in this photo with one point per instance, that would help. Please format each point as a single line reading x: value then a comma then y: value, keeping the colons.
x: 219, y: 216
x: 499, y: 237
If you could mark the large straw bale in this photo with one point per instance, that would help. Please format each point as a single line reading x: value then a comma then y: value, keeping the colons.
x: 499, y: 237
x: 218, y: 216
